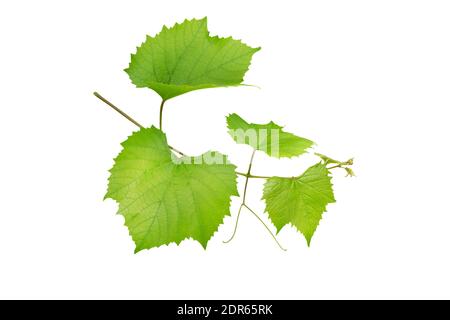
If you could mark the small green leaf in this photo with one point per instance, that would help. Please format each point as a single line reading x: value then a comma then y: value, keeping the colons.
x: 186, y: 58
x: 326, y: 159
x: 300, y: 201
x: 269, y: 137
x: 167, y: 199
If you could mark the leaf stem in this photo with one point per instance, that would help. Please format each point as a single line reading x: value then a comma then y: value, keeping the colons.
x: 236, y: 224
x: 129, y: 118
x: 243, y: 197
x: 161, y: 108
x: 177, y: 151
x: 248, y: 174
x: 267, y: 227
x: 252, y: 176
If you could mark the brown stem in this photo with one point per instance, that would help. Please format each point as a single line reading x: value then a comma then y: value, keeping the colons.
x: 130, y: 118
x: 118, y: 110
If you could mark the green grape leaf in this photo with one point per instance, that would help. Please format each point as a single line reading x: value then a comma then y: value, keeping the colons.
x: 186, y: 58
x: 269, y: 138
x: 300, y: 201
x: 165, y: 198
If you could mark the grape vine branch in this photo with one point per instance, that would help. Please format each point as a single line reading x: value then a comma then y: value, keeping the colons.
x: 166, y: 196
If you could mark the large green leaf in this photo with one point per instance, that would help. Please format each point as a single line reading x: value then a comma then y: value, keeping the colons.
x: 269, y: 137
x: 185, y: 58
x: 167, y: 199
x: 299, y: 201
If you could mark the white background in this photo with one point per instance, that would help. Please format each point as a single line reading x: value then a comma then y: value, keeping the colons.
x: 368, y: 79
